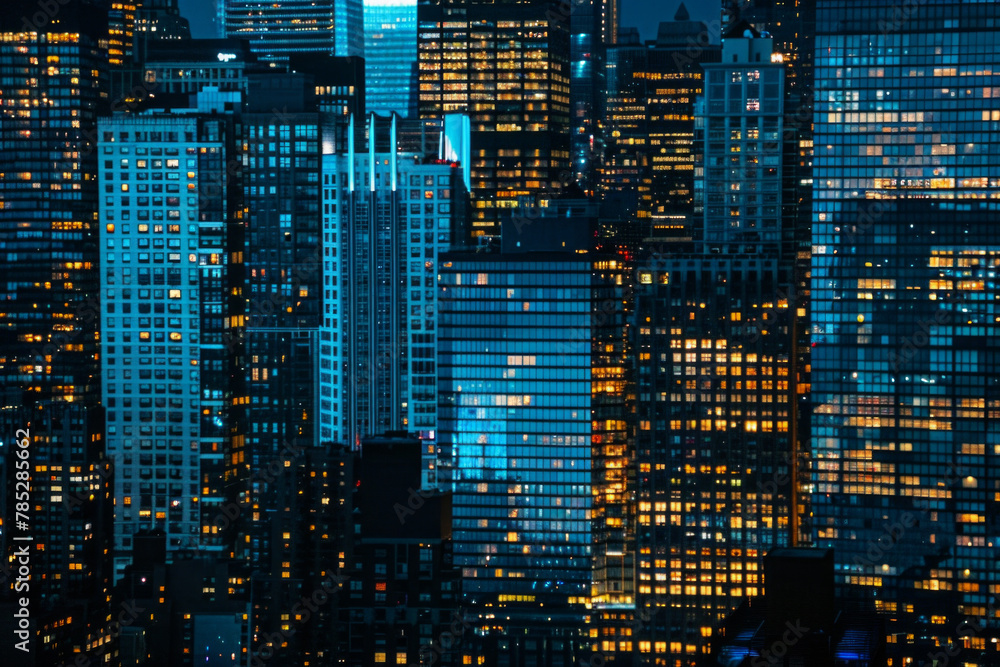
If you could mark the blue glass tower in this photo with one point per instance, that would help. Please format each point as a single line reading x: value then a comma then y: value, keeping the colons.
x: 904, y: 316
x: 391, y: 57
x: 532, y: 386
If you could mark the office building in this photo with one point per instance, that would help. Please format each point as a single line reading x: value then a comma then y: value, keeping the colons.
x: 505, y: 65
x: 121, y: 33
x: 387, y: 217
x: 533, y: 391
x: 277, y: 31
x: 170, y: 288
x: 49, y: 319
x: 714, y: 340
x: 903, y: 323
x: 391, y: 57
x: 715, y: 433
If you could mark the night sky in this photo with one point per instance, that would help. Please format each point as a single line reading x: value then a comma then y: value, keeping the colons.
x: 646, y: 14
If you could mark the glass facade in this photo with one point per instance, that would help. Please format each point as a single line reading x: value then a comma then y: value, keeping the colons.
x: 533, y: 390
x: 391, y: 57
x: 904, y: 315
x: 593, y: 26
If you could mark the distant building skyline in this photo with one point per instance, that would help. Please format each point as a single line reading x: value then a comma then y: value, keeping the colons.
x: 646, y: 14
x: 294, y: 27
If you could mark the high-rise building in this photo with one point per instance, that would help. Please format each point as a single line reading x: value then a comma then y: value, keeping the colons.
x: 284, y: 136
x: 533, y: 398
x: 714, y: 387
x: 650, y: 155
x: 277, y: 30
x: 387, y: 217
x: 742, y: 125
x: 312, y: 527
x: 791, y: 24
x: 391, y: 57
x: 170, y: 264
x: 622, y: 179
x: 121, y: 30
x: 506, y: 65
x: 593, y: 28
x: 52, y: 79
x: 714, y: 341
x: 904, y: 321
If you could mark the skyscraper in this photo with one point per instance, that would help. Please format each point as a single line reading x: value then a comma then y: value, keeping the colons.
x: 593, y: 28
x: 714, y: 340
x: 714, y: 390
x: 391, y: 57
x: 506, y: 65
x: 121, y: 28
x: 277, y: 30
x: 52, y: 80
x: 387, y: 216
x: 904, y: 361
x: 283, y: 134
x: 173, y: 397
x: 533, y: 406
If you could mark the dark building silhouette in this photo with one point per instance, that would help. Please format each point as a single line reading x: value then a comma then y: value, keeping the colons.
x: 799, y: 622
x: 192, y: 611
x: 298, y: 585
x: 401, y: 604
